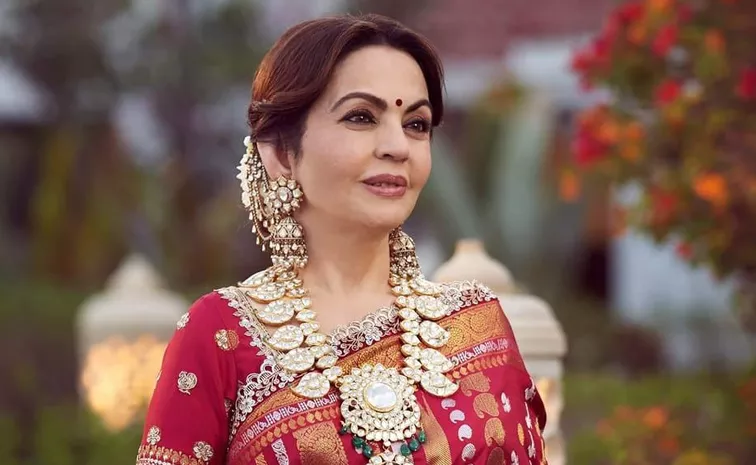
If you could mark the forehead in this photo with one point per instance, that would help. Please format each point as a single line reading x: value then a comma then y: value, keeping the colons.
x: 383, y: 71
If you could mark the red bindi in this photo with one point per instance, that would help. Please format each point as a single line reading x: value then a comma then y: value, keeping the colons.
x: 398, y: 102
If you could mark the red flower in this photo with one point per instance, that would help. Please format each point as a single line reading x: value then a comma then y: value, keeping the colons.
x: 596, y: 132
x: 665, y: 39
x: 667, y: 92
x: 596, y: 55
x: 582, y: 60
x: 629, y: 12
x: 663, y: 206
x: 684, y: 250
x: 747, y: 85
x: 588, y: 149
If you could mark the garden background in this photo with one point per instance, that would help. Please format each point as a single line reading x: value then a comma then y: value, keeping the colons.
x: 607, y: 148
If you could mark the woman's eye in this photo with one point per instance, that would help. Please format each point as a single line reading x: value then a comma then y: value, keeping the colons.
x: 419, y: 125
x: 360, y: 117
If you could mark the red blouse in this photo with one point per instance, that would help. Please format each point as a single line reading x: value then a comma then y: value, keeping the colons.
x: 222, y: 399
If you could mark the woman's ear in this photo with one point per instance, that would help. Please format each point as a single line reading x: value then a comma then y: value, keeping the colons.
x: 277, y: 163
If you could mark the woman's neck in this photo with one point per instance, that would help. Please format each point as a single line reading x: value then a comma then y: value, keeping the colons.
x: 353, y: 262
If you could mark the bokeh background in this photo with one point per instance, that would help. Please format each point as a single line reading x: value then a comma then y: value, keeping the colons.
x: 121, y: 123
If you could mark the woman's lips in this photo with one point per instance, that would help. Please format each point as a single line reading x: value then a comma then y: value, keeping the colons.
x: 386, y: 190
x: 386, y: 185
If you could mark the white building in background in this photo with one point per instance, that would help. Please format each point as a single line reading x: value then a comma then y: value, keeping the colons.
x: 21, y: 101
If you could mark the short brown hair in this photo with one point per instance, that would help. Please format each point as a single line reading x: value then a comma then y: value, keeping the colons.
x: 297, y: 69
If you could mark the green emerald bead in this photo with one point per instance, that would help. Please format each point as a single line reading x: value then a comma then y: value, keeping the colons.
x: 421, y: 437
x: 405, y: 450
x: 357, y: 442
x: 367, y: 451
x: 343, y: 430
x: 414, y: 445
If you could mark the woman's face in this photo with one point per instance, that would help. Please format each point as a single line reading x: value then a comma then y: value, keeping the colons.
x: 365, y: 153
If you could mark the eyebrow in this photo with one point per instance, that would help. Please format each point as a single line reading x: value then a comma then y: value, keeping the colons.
x: 379, y: 102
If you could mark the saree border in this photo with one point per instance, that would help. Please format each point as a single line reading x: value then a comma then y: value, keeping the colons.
x: 480, y: 338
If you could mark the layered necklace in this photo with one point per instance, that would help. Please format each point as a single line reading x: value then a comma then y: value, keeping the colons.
x: 379, y: 406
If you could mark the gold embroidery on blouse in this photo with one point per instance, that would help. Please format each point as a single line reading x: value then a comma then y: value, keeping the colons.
x: 186, y: 382
x: 485, y: 404
x: 320, y: 443
x: 182, y: 321
x: 476, y: 382
x: 260, y: 460
x: 153, y: 436
x: 157, y: 455
x: 227, y: 339
x: 203, y: 451
x: 494, y: 432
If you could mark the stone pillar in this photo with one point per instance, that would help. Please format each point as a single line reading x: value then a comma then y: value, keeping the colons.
x: 539, y: 335
x: 122, y: 334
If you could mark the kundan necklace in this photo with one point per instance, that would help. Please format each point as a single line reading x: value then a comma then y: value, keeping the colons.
x: 379, y: 407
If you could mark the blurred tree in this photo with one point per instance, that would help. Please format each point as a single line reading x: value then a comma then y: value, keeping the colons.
x: 66, y: 207
x: 188, y: 59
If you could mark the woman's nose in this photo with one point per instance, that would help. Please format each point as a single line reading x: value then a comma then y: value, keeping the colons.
x: 392, y: 142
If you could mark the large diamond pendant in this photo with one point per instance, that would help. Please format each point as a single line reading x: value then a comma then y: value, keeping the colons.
x: 379, y: 404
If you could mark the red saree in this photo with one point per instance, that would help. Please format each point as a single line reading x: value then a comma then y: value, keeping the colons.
x: 221, y: 398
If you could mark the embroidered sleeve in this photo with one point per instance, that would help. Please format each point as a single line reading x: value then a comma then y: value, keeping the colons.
x: 187, y: 420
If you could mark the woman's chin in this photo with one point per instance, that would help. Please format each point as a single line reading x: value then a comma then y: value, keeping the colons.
x: 385, y: 219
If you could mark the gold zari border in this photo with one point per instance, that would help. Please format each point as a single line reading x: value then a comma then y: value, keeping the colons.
x: 158, y: 455
x: 468, y: 328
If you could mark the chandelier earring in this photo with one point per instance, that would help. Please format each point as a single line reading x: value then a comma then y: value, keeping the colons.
x: 403, y: 256
x: 271, y: 204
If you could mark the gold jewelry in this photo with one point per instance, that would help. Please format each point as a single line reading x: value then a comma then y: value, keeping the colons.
x: 378, y: 403
x: 403, y: 255
x: 271, y: 204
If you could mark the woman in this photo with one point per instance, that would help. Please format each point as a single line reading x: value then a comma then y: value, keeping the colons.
x: 295, y: 365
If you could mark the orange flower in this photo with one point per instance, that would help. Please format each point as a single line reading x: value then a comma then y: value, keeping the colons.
x: 637, y: 33
x: 634, y: 131
x: 711, y: 187
x: 569, y: 186
x: 655, y: 417
x: 608, y: 132
x: 660, y: 5
x: 714, y: 41
x: 630, y: 152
